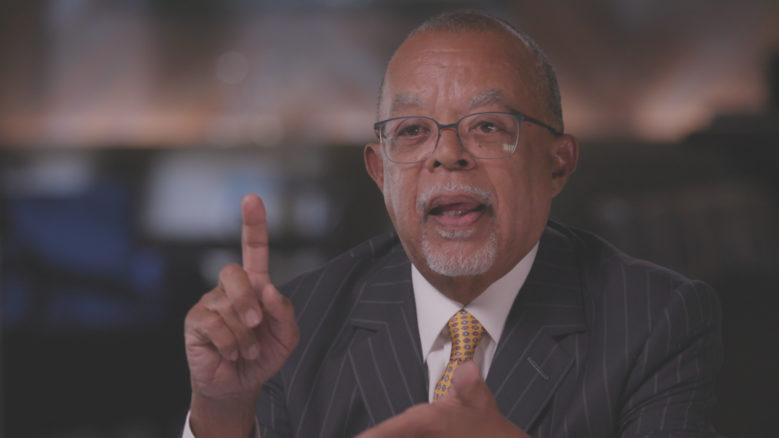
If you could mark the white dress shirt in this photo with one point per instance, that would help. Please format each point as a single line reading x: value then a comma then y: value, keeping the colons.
x: 491, y: 308
x: 434, y: 309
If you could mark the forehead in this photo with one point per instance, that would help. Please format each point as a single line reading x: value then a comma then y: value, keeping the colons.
x: 463, y: 69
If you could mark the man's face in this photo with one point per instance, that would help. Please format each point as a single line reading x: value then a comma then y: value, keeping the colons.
x: 457, y: 215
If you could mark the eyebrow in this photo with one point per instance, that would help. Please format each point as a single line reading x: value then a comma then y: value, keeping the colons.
x: 402, y: 101
x: 493, y: 96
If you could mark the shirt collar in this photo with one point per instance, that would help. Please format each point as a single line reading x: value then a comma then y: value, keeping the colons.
x: 491, y: 308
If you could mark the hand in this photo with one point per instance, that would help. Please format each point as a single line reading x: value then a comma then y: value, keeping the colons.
x: 238, y: 335
x: 468, y: 409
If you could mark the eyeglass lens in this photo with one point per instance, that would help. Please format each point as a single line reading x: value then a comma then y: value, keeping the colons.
x: 485, y: 135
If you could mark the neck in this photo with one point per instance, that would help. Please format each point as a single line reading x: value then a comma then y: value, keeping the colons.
x: 463, y: 289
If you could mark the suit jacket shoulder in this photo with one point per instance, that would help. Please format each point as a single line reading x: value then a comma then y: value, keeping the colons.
x: 647, y: 359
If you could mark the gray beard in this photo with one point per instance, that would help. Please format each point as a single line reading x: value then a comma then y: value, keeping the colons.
x: 457, y: 264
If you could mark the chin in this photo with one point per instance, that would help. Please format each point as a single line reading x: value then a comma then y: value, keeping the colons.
x: 456, y: 256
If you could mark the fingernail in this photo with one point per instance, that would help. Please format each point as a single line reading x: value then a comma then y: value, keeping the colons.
x: 251, y: 318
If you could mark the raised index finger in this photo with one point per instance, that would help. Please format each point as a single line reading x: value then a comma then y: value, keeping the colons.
x: 254, y: 241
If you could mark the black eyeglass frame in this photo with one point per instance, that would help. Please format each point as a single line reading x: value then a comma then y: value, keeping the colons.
x: 378, y: 128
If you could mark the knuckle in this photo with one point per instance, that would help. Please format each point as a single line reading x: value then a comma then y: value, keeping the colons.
x: 216, y: 301
x: 193, y: 319
x: 223, y: 306
x: 198, y: 313
x: 241, y: 302
x: 229, y: 271
x: 192, y: 315
x: 211, y: 296
x: 212, y: 322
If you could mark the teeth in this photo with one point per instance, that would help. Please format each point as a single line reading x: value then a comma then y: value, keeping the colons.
x: 440, y: 211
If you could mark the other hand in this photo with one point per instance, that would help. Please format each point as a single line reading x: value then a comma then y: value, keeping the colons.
x: 468, y: 409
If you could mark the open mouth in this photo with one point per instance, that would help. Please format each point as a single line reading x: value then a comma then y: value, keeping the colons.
x: 456, y: 211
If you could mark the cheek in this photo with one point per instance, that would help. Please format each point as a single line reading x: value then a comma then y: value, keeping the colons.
x: 521, y: 191
x: 535, y: 171
x: 396, y: 197
x: 390, y: 189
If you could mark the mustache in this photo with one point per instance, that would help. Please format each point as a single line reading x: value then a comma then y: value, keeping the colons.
x: 425, y: 197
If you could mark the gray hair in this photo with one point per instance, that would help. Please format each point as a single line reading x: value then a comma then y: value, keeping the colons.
x: 476, y: 21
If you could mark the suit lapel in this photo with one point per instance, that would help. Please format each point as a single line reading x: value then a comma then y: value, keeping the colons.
x: 532, y: 356
x: 385, y: 352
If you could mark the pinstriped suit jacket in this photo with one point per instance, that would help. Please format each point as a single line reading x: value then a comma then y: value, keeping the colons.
x: 597, y: 344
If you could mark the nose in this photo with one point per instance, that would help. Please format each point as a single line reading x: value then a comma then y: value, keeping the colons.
x: 450, y: 153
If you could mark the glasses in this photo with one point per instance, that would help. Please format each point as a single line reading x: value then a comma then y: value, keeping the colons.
x: 484, y: 135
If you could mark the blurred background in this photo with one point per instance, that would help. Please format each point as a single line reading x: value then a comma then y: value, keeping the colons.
x: 130, y: 130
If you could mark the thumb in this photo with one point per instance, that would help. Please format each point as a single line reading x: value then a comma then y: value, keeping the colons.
x: 468, y: 386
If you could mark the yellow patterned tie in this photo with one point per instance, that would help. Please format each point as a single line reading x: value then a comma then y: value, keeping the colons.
x: 465, y: 332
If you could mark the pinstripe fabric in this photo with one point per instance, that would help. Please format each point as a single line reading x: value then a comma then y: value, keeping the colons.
x: 596, y: 345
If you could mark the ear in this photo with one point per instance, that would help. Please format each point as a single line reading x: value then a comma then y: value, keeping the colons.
x: 565, y: 157
x: 374, y: 164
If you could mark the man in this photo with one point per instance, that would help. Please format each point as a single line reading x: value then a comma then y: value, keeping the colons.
x: 479, y: 318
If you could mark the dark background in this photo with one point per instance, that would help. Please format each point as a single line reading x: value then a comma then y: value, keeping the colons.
x: 130, y: 130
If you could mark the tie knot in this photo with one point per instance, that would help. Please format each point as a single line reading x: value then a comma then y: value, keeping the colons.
x: 466, y: 332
